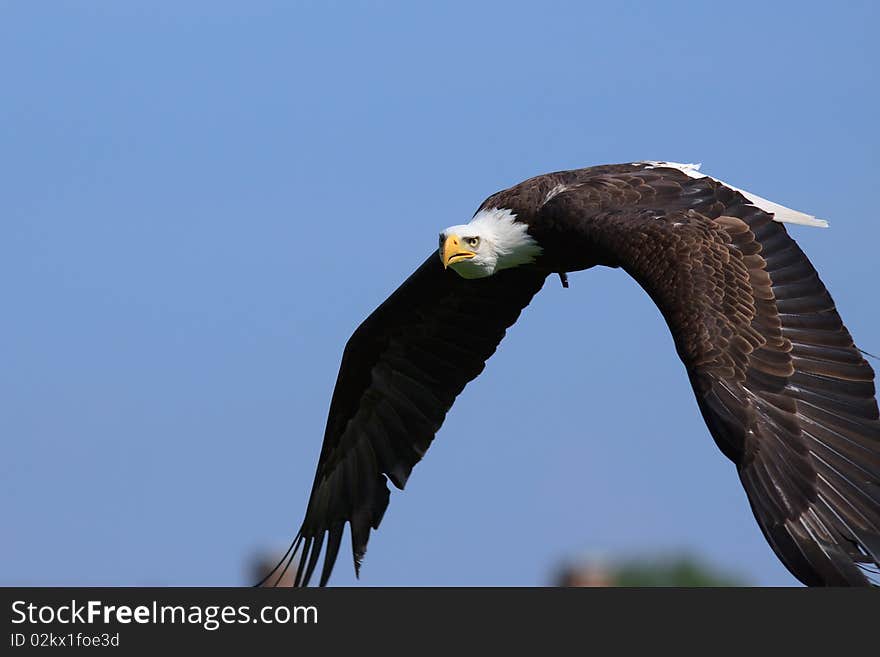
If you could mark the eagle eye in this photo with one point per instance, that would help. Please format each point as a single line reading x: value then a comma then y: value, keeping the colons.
x: 473, y: 242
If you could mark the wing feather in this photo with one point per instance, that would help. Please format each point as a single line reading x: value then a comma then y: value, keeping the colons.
x: 401, y: 371
x: 781, y: 385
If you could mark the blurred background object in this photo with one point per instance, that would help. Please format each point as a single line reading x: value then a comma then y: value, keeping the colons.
x: 655, y: 570
x: 589, y: 570
x: 262, y: 563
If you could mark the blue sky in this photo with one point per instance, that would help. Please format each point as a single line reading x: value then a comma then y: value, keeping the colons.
x: 192, y: 199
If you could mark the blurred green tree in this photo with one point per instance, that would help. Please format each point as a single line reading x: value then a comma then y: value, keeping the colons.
x: 675, y: 570
x: 684, y: 570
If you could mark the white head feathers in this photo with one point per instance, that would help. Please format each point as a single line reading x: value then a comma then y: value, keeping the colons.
x: 503, y: 243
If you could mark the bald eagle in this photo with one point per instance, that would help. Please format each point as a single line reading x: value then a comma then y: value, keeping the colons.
x: 784, y: 391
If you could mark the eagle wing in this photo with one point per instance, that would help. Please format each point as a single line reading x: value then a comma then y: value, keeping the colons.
x: 401, y: 371
x: 783, y: 389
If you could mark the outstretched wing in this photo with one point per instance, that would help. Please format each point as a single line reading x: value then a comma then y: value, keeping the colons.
x: 401, y: 371
x: 784, y: 391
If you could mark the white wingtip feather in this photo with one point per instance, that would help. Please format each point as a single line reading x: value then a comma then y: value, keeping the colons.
x: 780, y: 213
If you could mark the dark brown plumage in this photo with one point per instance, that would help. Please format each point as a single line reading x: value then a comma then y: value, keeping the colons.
x: 784, y: 391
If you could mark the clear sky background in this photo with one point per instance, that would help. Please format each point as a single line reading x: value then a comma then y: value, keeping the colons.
x: 200, y: 201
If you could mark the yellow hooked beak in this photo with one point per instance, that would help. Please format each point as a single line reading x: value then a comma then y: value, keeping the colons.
x: 452, y: 251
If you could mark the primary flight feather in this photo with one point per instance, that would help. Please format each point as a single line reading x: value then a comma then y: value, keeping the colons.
x: 785, y: 393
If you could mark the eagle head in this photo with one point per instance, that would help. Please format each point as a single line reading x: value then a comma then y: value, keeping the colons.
x: 492, y: 241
